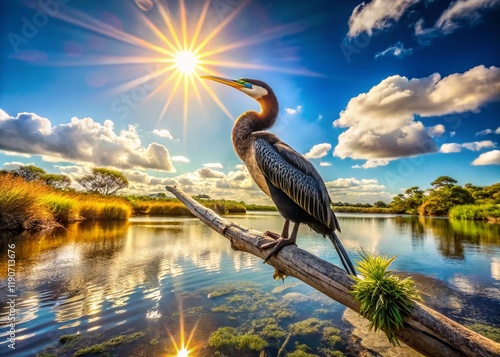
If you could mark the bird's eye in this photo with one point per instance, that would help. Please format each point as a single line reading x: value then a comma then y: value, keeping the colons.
x: 244, y: 83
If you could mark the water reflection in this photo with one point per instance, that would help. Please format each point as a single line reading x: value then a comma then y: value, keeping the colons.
x: 97, y: 276
x: 452, y: 235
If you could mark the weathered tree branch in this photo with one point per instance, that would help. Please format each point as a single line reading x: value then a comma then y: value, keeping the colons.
x: 426, y: 331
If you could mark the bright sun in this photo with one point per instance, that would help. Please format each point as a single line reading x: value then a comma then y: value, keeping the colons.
x: 186, y: 62
x: 183, y: 353
x: 181, y: 53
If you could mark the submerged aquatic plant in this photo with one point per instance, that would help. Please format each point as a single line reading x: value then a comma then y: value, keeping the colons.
x: 384, y: 298
x: 229, y: 339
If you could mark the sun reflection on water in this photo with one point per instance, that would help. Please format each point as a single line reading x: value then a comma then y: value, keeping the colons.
x: 183, y: 348
x: 183, y: 352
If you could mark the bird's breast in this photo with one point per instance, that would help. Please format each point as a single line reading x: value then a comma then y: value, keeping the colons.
x: 244, y: 145
x: 255, y: 171
x: 246, y: 151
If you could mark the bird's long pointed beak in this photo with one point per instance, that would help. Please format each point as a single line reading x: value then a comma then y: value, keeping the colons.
x: 230, y: 82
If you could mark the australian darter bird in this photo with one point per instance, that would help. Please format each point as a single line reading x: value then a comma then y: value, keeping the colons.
x: 287, y: 177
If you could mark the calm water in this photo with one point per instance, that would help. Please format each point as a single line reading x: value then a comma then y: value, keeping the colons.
x: 111, y: 278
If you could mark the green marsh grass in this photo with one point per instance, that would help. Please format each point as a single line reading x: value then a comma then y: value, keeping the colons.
x: 384, y: 298
x: 224, y: 206
x: 143, y: 205
x: 21, y: 204
x: 32, y: 205
x: 95, y: 207
x: 63, y: 208
x: 166, y: 208
x: 476, y: 212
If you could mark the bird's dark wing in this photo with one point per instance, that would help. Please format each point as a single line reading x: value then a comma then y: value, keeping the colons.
x: 296, y: 176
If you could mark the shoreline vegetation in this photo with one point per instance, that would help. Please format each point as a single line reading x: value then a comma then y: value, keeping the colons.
x: 34, y: 205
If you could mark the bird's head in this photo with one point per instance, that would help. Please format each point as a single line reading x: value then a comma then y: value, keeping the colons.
x: 254, y: 88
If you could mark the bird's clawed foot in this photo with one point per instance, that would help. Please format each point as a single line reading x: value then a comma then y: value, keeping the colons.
x: 277, y: 245
x: 279, y: 275
x: 272, y: 235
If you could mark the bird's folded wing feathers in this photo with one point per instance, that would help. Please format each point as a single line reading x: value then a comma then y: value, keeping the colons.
x: 297, y: 177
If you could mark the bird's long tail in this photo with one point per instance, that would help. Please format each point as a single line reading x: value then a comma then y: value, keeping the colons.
x: 344, y: 258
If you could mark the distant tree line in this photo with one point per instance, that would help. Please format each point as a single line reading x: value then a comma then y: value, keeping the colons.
x: 442, y: 196
x: 100, y: 180
x: 378, y: 204
x: 435, y: 201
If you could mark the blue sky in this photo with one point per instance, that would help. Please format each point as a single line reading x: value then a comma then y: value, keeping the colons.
x: 380, y: 96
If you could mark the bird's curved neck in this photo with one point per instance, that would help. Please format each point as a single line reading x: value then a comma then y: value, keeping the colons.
x: 269, y: 112
x: 251, y: 121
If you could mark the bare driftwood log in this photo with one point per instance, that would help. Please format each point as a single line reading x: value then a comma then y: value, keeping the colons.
x: 426, y: 331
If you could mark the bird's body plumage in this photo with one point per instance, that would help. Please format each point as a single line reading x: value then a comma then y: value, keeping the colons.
x: 287, y: 177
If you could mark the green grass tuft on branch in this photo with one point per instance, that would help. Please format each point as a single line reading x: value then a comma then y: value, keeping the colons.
x: 384, y: 298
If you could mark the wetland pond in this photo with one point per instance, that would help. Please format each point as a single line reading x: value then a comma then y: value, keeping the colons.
x: 153, y: 285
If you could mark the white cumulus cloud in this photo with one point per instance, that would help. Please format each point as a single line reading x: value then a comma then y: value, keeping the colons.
x: 180, y: 158
x: 352, y: 189
x: 209, y: 173
x: 318, y: 151
x: 14, y: 165
x: 488, y: 131
x: 462, y: 11
x: 488, y: 158
x: 293, y: 111
x: 398, y: 50
x: 325, y: 163
x: 472, y: 146
x: 163, y: 133
x: 370, y: 164
x: 213, y: 165
x: 381, y: 123
x: 81, y: 140
x: 376, y: 15
x: 450, y: 147
x: 484, y: 132
x: 436, y: 131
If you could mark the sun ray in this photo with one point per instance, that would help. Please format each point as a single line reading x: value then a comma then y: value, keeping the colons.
x: 191, y: 335
x: 216, y: 99
x: 172, y: 339
x: 181, y: 324
x: 195, y: 87
x: 186, y: 93
x: 140, y: 80
x: 170, y: 97
x: 170, y: 26
x: 271, y: 34
x: 183, y: 25
x: 161, y: 86
x: 109, y: 31
x: 158, y: 33
x: 111, y: 60
x: 220, y: 27
x: 199, y: 25
x: 209, y: 71
x: 231, y: 64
